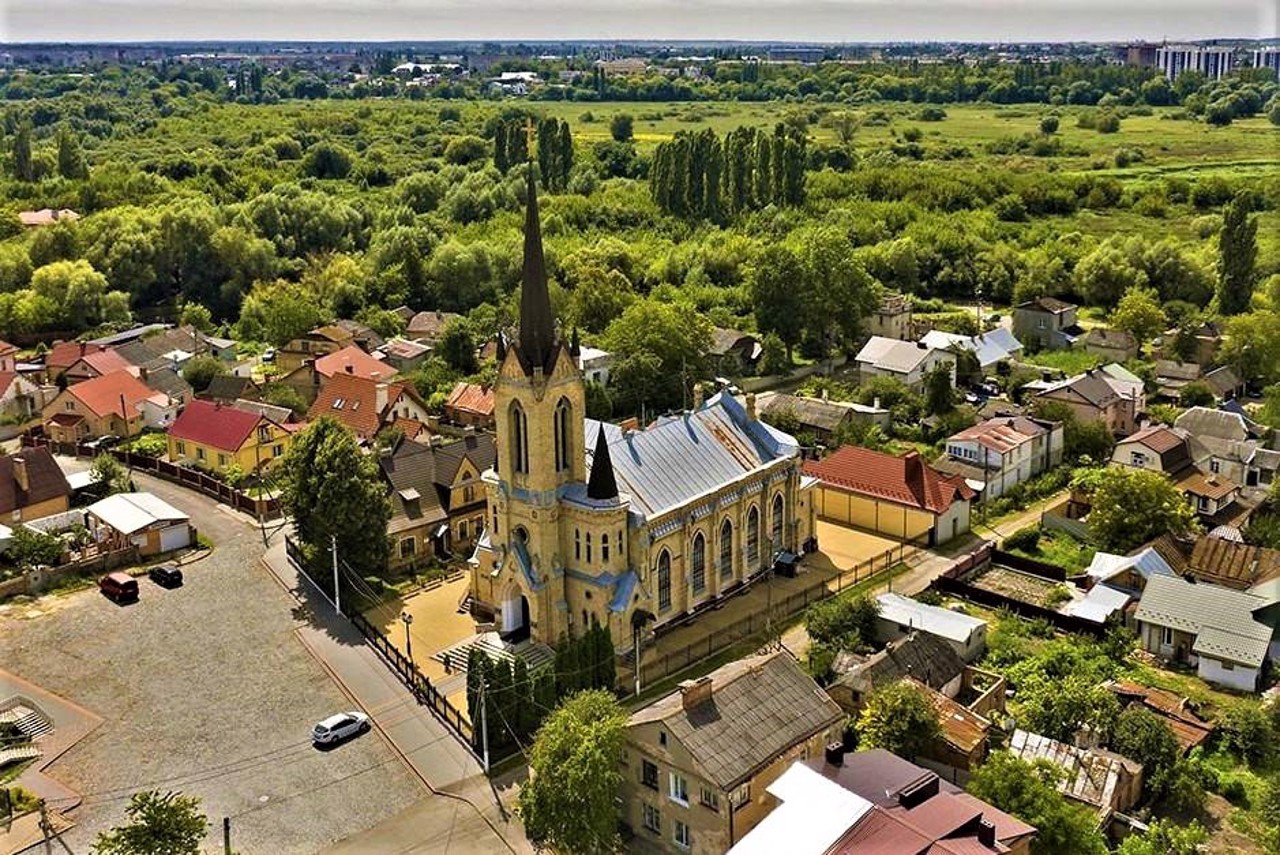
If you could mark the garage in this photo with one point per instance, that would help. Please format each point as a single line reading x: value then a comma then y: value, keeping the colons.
x: 140, y: 520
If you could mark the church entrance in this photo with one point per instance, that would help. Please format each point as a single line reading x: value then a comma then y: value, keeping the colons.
x: 515, y: 617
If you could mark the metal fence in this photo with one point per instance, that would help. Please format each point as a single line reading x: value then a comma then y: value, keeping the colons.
x: 780, y: 609
x: 422, y: 688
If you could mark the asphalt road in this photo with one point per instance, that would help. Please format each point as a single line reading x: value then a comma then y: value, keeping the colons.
x: 207, y: 689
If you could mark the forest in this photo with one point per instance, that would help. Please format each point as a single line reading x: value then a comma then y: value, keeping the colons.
x: 785, y: 211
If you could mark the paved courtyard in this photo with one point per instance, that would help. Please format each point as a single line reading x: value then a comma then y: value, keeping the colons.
x: 206, y: 689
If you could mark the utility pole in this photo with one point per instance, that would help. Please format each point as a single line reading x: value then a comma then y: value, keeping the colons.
x: 337, y: 596
x: 128, y: 458
x: 635, y: 653
x: 484, y: 725
x: 226, y: 835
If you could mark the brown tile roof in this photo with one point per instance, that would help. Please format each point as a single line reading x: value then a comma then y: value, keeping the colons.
x: 1215, y: 487
x: 906, y: 480
x: 351, y: 360
x: 1189, y: 728
x: 430, y: 324
x: 999, y: 435
x: 1234, y: 565
x: 1046, y: 304
x: 471, y: 398
x: 102, y: 394
x: 1175, y: 551
x: 759, y: 708
x: 1158, y: 438
x: 353, y: 400
x: 45, y: 480
x: 64, y: 354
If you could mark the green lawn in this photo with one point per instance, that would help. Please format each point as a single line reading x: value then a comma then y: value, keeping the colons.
x: 1061, y: 550
x: 1068, y: 361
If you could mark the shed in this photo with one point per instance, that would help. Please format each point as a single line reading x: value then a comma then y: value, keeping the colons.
x: 139, y: 519
x: 901, y: 615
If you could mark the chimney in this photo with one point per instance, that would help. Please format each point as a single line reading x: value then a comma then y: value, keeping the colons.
x: 835, y: 753
x: 918, y: 791
x: 751, y: 406
x: 875, y: 402
x: 922, y: 345
x: 694, y: 693
x: 380, y: 397
x: 20, y: 474
x: 987, y: 833
x: 913, y: 470
x: 697, y: 396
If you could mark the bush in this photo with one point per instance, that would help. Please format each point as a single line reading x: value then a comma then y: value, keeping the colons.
x: 934, y: 114
x: 1024, y: 539
x: 1049, y: 125
x: 1057, y: 595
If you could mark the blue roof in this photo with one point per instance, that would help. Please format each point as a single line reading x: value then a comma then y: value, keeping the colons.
x: 622, y: 593
x: 526, y: 566
x: 682, y: 457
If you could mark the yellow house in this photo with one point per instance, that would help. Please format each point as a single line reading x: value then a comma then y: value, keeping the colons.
x: 216, y: 436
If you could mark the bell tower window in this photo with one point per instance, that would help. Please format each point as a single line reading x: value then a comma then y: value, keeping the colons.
x: 519, y: 439
x: 563, y: 435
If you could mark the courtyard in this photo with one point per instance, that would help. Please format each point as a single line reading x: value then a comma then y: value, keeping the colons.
x: 204, y: 689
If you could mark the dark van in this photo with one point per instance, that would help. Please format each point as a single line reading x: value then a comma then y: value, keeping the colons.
x: 120, y: 587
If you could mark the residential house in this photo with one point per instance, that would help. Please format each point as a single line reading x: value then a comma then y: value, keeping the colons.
x: 990, y: 349
x: 1007, y: 451
x: 1240, y: 566
x: 132, y: 334
x: 63, y: 354
x: 1128, y: 573
x: 1201, y: 343
x: 1046, y: 323
x: 927, y: 657
x: 697, y: 764
x: 215, y: 436
x: 140, y: 520
x: 1210, y: 627
x: 470, y: 404
x: 892, y: 318
x: 311, y: 346
x: 1172, y: 377
x: 1228, y: 444
x: 419, y: 525
x: 595, y: 364
x: 226, y: 388
x: 171, y: 347
x: 1100, y: 395
x: 20, y: 399
x: 902, y: 497
x: 1175, y: 710
x: 963, y: 734
x: 819, y: 417
x: 115, y: 404
x: 8, y: 358
x: 367, y: 406
x: 900, y: 616
x: 1099, y: 779
x: 352, y: 361
x: 95, y: 363
x: 1111, y: 345
x: 428, y: 327
x: 734, y: 352
x: 32, y: 486
x: 1225, y: 383
x: 1168, y: 450
x: 362, y: 336
x: 905, y: 361
x: 403, y: 355
x: 47, y: 217
x: 914, y: 812
x: 458, y: 469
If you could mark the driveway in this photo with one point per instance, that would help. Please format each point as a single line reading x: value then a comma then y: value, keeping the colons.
x: 207, y: 689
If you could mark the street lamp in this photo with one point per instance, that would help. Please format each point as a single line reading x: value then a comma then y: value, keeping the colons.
x: 407, y: 619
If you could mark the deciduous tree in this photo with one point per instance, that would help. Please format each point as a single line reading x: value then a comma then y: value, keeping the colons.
x: 1029, y: 792
x: 898, y: 718
x: 1132, y: 506
x: 158, y: 824
x: 1139, y: 313
x: 1237, y: 255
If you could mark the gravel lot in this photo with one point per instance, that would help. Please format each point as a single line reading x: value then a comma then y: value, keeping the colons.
x: 206, y: 689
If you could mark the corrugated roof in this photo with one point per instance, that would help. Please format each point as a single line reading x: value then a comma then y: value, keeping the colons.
x: 760, y: 707
x: 1091, y: 776
x: 906, y: 480
x: 1231, y: 564
x: 1203, y: 422
x: 1098, y: 605
x: 1147, y: 562
x: 931, y: 619
x: 131, y: 512
x: 891, y: 354
x: 1234, y: 635
x: 1189, y: 728
x: 682, y: 457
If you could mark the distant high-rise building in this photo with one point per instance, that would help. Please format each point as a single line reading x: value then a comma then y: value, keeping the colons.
x: 1213, y: 62
x: 1141, y: 54
x: 1268, y: 57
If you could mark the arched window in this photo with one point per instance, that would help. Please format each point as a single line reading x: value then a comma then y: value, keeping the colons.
x: 753, y: 539
x: 588, y: 547
x: 577, y: 545
x: 726, y: 550
x: 699, y: 563
x: 664, y: 581
x: 775, y: 522
x: 604, y: 547
x: 519, y: 439
x: 563, y: 417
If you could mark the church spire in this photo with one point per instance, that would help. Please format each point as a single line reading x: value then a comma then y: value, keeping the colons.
x: 537, y: 327
x: 602, y: 485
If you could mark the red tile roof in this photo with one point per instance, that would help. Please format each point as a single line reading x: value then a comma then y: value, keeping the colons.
x: 471, y: 398
x: 105, y: 361
x: 353, y: 400
x: 102, y: 394
x: 905, y: 480
x: 6, y: 380
x: 353, y: 361
x: 1158, y: 438
x: 213, y: 425
x: 64, y: 354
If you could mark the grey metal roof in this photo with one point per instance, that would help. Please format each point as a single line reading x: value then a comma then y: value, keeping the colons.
x: 685, y: 456
x: 760, y: 707
x: 897, y: 356
x: 1202, y: 422
x: 1220, y: 618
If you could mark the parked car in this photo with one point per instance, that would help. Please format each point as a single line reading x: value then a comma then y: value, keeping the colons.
x: 165, y: 575
x: 269, y: 355
x: 120, y: 587
x: 338, y: 727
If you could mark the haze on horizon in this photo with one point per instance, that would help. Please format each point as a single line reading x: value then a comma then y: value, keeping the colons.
x: 540, y: 20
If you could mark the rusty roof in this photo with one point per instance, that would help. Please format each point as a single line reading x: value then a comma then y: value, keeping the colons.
x: 471, y: 398
x: 961, y: 727
x: 1231, y: 564
x: 1173, y: 709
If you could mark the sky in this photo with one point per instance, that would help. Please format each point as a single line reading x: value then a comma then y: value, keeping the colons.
x: 773, y: 20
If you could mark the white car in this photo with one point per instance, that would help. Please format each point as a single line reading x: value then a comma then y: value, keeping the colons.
x: 338, y: 727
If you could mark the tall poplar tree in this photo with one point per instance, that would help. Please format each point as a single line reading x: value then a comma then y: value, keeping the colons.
x: 23, y: 167
x: 1237, y: 254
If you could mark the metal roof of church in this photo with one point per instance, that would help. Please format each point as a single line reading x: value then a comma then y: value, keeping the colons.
x: 681, y: 457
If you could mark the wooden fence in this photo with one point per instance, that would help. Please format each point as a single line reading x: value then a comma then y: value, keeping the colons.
x: 213, y: 487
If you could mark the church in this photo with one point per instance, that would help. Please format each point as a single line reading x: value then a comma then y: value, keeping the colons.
x: 589, y: 523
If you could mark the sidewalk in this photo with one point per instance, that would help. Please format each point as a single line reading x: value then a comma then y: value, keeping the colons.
x: 1022, y: 519
x: 462, y: 815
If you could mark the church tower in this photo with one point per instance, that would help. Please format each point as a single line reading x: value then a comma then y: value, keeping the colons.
x: 539, y: 404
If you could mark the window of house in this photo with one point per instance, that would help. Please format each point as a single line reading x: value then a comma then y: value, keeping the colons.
x: 1214, y: 465
x: 264, y: 433
x: 199, y: 454
x: 495, y: 520
x: 662, y: 738
x: 604, y: 547
x: 588, y: 547
x: 1137, y: 458
x: 182, y: 447
x: 1203, y: 504
x: 664, y: 581
x: 681, y: 835
x: 753, y: 537
x: 222, y: 460
x: 277, y: 450
x: 649, y: 774
x: 726, y: 550
x: 468, y: 494
x: 70, y: 406
x: 652, y: 819
x: 1228, y: 666
x: 679, y: 790
x: 740, y: 796
x: 709, y: 798
x: 699, y: 563
x: 462, y: 530
x: 1166, y: 635
x: 408, y: 546
x: 1041, y: 324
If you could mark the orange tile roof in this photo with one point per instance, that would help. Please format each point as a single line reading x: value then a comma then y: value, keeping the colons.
x: 353, y: 400
x: 106, y: 361
x: 471, y: 398
x: 64, y: 354
x: 906, y: 480
x: 353, y: 361
x: 102, y: 394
